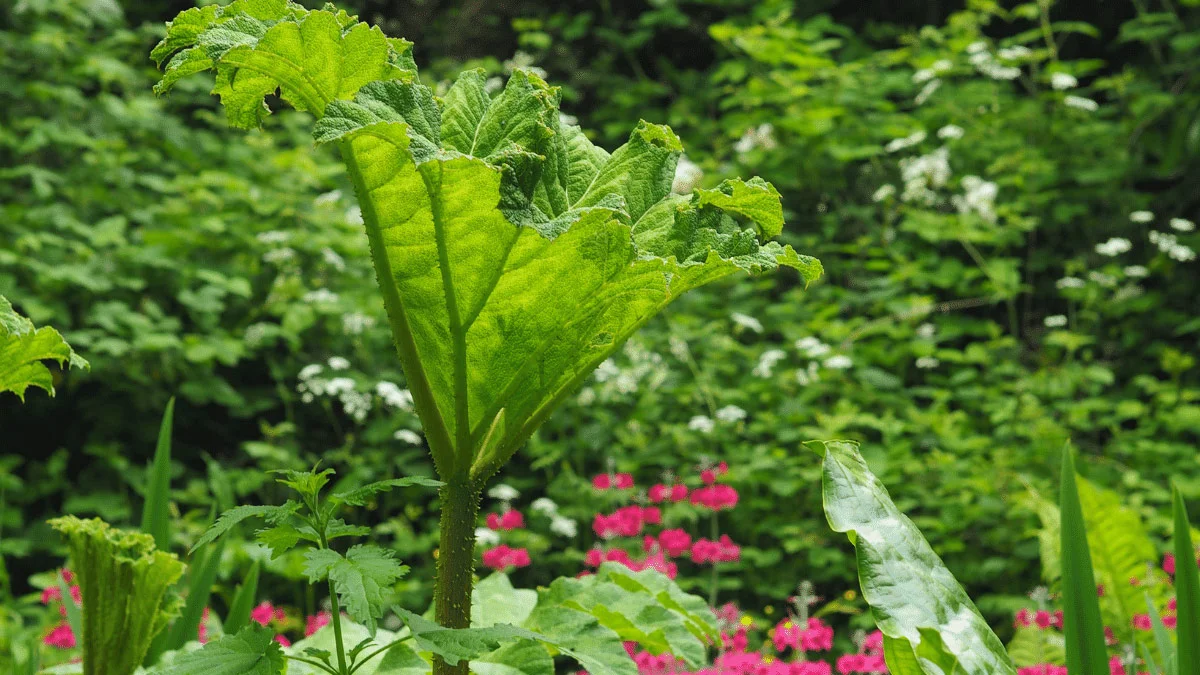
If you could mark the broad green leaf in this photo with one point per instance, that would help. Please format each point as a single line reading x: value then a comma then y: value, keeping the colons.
x: 237, y: 514
x: 251, y: 651
x: 360, y: 496
x: 580, y: 636
x: 124, y: 583
x: 1033, y: 646
x: 400, y: 659
x: 693, y: 610
x: 1187, y: 589
x: 22, y: 350
x: 242, y: 604
x: 523, y: 657
x: 1086, y: 653
x: 156, y: 514
x: 360, y: 578
x: 461, y: 644
x: 494, y: 600
x: 202, y: 577
x: 906, y: 584
x: 257, y: 48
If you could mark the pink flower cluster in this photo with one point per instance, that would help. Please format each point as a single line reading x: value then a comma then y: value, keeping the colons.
x: 712, y: 552
x: 658, y: 494
x: 816, y: 636
x: 61, y: 636
x: 715, y: 497
x: 674, y: 542
x: 503, y: 557
x: 626, y: 521
x: 316, y: 622
x: 507, y: 521
x: 608, y: 481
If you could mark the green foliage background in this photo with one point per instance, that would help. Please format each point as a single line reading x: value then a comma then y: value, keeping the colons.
x: 183, y: 258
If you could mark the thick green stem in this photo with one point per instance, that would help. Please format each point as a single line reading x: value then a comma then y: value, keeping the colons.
x: 456, y: 562
x: 336, y: 619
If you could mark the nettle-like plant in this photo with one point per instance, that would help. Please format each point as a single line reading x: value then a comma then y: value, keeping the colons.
x: 513, y: 255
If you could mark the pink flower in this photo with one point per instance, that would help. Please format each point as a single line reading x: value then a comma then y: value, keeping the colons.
x: 708, y: 476
x: 1169, y: 564
x: 512, y: 520
x: 282, y: 640
x: 874, y: 642
x: 1142, y: 622
x: 627, y: 521
x: 652, y: 515
x: 624, y: 481
x: 715, y: 497
x: 1023, y: 618
x: 602, y: 481
x: 202, y: 629
x: 316, y: 622
x: 658, y: 493
x: 1042, y: 619
x: 810, y: 668
x: 817, y: 637
x: 674, y: 542
x: 706, y: 551
x: 594, y: 557
x: 679, y: 493
x: 62, y: 637
x: 1044, y: 669
x: 503, y: 557
x: 861, y: 663
x: 1170, y: 621
x: 265, y: 613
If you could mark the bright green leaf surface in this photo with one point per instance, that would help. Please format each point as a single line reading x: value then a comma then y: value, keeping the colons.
x: 1082, y: 627
x: 905, y: 582
x: 361, y: 578
x: 22, y: 350
x: 251, y: 651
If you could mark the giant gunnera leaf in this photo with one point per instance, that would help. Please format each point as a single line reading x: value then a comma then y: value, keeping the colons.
x: 514, y: 255
x: 22, y: 350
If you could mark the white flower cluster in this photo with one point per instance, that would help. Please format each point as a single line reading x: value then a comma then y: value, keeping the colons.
x: 897, y: 144
x: 979, y: 197
x: 810, y: 374
x: 1182, y: 225
x: 1081, y: 103
x: 559, y: 524
x: 504, y: 492
x: 950, y: 132
x: 923, y: 174
x: 278, y: 256
x: 1069, y: 282
x: 701, y: 423
x: 746, y: 321
x: 273, y: 237
x: 1114, y: 247
x: 408, y: 436
x: 356, y: 404
x: 838, y: 362
x: 886, y: 191
x: 687, y: 176
x: 645, y: 369
x: 1141, y: 217
x: 926, y: 74
x: 762, y: 136
x: 320, y: 296
x: 926, y: 92
x: 1063, y: 81
x: 486, y: 537
x: 1055, y: 321
x: 766, y: 362
x: 1169, y: 244
x: 988, y: 64
x: 1102, y: 279
x: 393, y: 396
x: 730, y: 414
x: 928, y: 362
x: 356, y: 323
x: 332, y: 259
x: 926, y: 331
x: 523, y: 61
x: 1136, y: 271
x: 812, y: 348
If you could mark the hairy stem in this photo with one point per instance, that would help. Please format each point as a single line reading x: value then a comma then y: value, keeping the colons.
x: 456, y: 562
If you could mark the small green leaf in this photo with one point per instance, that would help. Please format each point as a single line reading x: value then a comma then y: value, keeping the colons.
x: 156, y: 514
x: 252, y: 651
x: 360, y: 496
x: 1187, y: 589
x: 360, y: 578
x: 272, y: 514
x: 307, y: 483
x: 22, y: 350
x: 1082, y: 627
x: 283, y: 538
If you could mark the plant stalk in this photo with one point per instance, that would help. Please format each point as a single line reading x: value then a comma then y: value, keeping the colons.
x: 456, y: 562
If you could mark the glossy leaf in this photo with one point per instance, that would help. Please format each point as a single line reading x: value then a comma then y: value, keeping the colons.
x: 1082, y: 627
x: 909, y: 589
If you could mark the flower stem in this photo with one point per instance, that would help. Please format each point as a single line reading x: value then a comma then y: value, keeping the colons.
x: 456, y: 563
x: 336, y: 618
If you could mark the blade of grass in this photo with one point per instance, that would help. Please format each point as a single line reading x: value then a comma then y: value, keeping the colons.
x: 1082, y: 627
x: 1187, y: 592
x: 243, y: 602
x: 1162, y: 639
x: 156, y: 516
x: 200, y: 584
x: 74, y: 615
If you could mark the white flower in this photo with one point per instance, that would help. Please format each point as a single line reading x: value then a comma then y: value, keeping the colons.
x: 884, y: 192
x: 927, y: 362
x: 1181, y: 253
x: 504, y: 492
x: 1114, y: 247
x: 1127, y: 292
x: 907, y: 142
x: 493, y: 84
x: 1182, y: 225
x: 977, y: 47
x: 926, y: 91
x: 922, y: 174
x: 838, y: 362
x: 687, y: 176
x: 393, y: 395
x: 273, y: 237
x: 607, y: 370
x: 1141, y: 216
x: 762, y: 136
x: 310, y: 371
x: 730, y: 414
x: 812, y: 347
x: 339, y: 385
x: 1081, y: 103
x: 564, y: 527
x: 355, y: 323
x: 320, y: 296
x: 568, y: 120
x: 355, y: 404
x: 544, y: 505
x: 926, y: 331
x: 979, y: 197
x: 279, y: 255
x: 923, y: 75
x: 407, y: 436
x: 701, y: 423
x: 766, y: 362
x: 354, y: 215
x: 941, y: 65
x: 586, y: 397
x: 1136, y: 271
x: 328, y: 197
x: 332, y: 259
x: 1063, y: 81
x: 338, y: 363
x: 1169, y: 244
x: 1105, y: 280
x: 950, y: 132
x: 1014, y: 53
x: 486, y: 537
x: 1055, y: 321
x: 1069, y: 282
x: 809, y: 375
x: 747, y: 322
